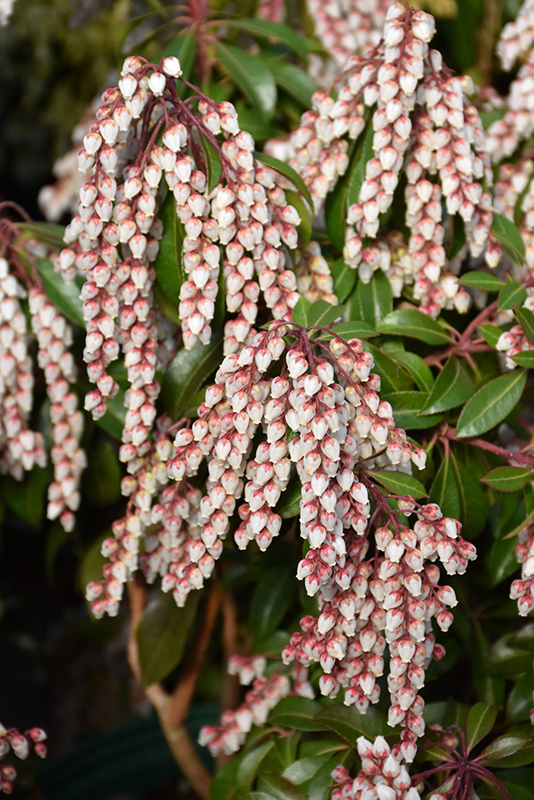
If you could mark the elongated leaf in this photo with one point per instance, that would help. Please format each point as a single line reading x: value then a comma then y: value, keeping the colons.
x: 296, y: 712
x: 357, y: 172
x: 513, y: 294
x: 265, y: 29
x: 349, y: 723
x: 213, y: 162
x: 373, y: 301
x: 352, y: 330
x: 323, y: 313
x: 336, y: 212
x: 508, y: 479
x: 65, y: 296
x: 114, y: 419
x: 525, y: 359
x: 187, y: 372
x: 491, y: 334
x: 393, y: 376
x: 452, y: 388
x: 46, y: 232
x: 250, y: 764
x: 482, y: 280
x: 509, y: 238
x: 407, y: 410
x: 505, y: 659
x: 501, y: 748
x: 300, y: 312
x: 162, y: 634
x: 444, y: 490
x: 491, y: 404
x: 280, y: 788
x: 480, y: 721
x: 293, y: 80
x: 304, y: 769
x: 525, y: 317
x: 344, y: 278
x: 414, y: 324
x: 270, y: 600
x: 414, y: 364
x: 320, y: 787
x: 520, y: 700
x: 288, y: 173
x: 473, y: 502
x: 502, y: 561
x: 289, y: 504
x: 252, y: 75
x: 168, y: 264
x: 399, y: 483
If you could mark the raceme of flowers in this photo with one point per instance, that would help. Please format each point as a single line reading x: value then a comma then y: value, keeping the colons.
x: 11, y: 740
x: 382, y: 776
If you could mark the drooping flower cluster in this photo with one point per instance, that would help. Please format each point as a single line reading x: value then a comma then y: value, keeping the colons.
x: 20, y: 744
x: 264, y: 695
x: 382, y: 776
x: 6, y: 9
x: 422, y: 122
x: 515, y: 341
x: 314, y: 279
x: 378, y: 601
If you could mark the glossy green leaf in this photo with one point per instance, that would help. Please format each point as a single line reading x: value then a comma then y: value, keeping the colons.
x: 213, y: 162
x: 335, y: 211
x: 27, y: 498
x: 296, y: 712
x: 323, y: 313
x: 502, y: 561
x: 46, y: 232
x: 491, y: 404
x: 169, y: 308
x: 473, y: 502
x: 509, y: 238
x: 265, y: 29
x: 65, y: 296
x: 525, y: 359
x: 280, y: 788
x: 294, y: 81
x: 491, y: 334
x: 484, y: 281
x: 300, y: 312
x: 480, y: 721
x: 352, y: 330
x: 168, y: 263
x: 498, y: 752
x: 252, y: 75
x: 322, y: 746
x: 187, y: 372
x: 399, y: 483
x: 508, y: 479
x: 414, y: 364
x: 373, y: 301
x: 162, y: 635
x: 114, y: 419
x: 363, y: 154
x: 305, y: 768
x: 344, y: 278
x: 320, y: 787
x: 288, y: 173
x: 393, y: 376
x: 452, y: 388
x: 407, y: 410
x: 250, y: 765
x: 513, y: 294
x: 506, y: 659
x: 287, y: 749
x: 414, y: 324
x: 350, y: 724
x: 520, y: 700
x: 525, y: 317
x: 271, y: 599
x: 289, y: 504
x: 444, y: 490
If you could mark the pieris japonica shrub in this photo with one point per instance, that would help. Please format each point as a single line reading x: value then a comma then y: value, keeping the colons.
x: 295, y: 299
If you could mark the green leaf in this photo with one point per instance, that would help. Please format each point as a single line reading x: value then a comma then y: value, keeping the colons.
x: 288, y: 173
x: 491, y: 404
x: 335, y: 210
x: 502, y: 561
x: 296, y: 712
x: 280, y: 788
x: 304, y: 769
x: 452, y: 388
x: 525, y: 359
x: 224, y: 783
x: 407, y: 410
x: 482, y: 280
x: 414, y: 364
x: 509, y: 238
x: 27, y: 498
x: 513, y: 294
x: 445, y: 491
x: 265, y: 29
x: 414, y: 324
x: 45, y: 232
x: 166, y: 305
x: 114, y: 419
x: 525, y: 317
x: 250, y: 764
x: 373, y: 301
x: 508, y: 479
x: 520, y: 700
x: 65, y: 296
x: 505, y: 659
x: 323, y: 313
x: 349, y: 723
x: 394, y: 378
x: 168, y: 263
x: 322, y: 746
x: 305, y: 225
x: 491, y: 333
x: 320, y: 787
x: 188, y: 371
x: 399, y: 483
x: 270, y: 600
x: 300, y: 312
x: 474, y: 506
x: 289, y: 504
x: 352, y: 330
x: 252, y: 75
x: 344, y: 278
x: 480, y: 721
x: 213, y: 161
x: 498, y: 752
x: 363, y: 154
x: 293, y: 80
x: 162, y: 635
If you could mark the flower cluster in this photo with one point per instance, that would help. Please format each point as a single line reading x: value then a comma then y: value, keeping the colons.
x: 515, y: 341
x: 382, y: 776
x: 6, y: 9
x: 387, y: 599
x: 20, y: 744
x: 264, y: 695
x: 314, y: 279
